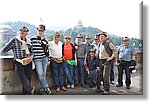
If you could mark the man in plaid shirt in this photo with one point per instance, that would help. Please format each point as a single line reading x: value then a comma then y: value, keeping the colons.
x: 22, y: 58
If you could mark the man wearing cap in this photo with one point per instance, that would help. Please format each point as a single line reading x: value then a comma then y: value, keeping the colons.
x: 22, y: 58
x: 41, y: 54
x: 55, y: 48
x: 107, y: 52
x: 81, y: 51
x: 126, y: 54
x: 96, y: 44
x: 70, y: 60
x: 92, y: 67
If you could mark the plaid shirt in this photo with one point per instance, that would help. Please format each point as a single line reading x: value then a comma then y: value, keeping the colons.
x: 15, y: 45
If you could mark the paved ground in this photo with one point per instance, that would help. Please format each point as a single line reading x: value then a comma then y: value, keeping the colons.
x: 136, y: 88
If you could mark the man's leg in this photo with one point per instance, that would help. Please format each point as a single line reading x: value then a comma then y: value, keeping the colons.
x: 81, y: 68
x: 25, y: 82
x: 128, y: 76
x: 120, y: 75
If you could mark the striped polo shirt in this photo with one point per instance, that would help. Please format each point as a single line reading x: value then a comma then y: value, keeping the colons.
x: 37, y: 49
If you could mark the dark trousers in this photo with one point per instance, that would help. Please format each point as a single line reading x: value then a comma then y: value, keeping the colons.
x: 124, y: 65
x: 112, y: 72
x: 105, y: 68
x: 57, y: 73
x: 24, y: 72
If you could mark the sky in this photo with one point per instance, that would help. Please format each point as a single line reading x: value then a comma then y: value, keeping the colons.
x: 120, y: 17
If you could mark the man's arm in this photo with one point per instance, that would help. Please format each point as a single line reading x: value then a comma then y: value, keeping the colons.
x: 8, y: 46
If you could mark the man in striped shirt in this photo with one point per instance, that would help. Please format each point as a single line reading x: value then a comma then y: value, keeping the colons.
x: 21, y: 49
x: 40, y: 52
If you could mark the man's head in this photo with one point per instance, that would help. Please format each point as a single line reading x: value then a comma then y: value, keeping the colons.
x: 103, y: 36
x: 56, y: 37
x: 92, y: 52
x: 67, y: 39
x: 125, y: 41
x: 23, y: 32
x: 79, y: 38
x: 41, y: 30
x: 87, y: 39
x: 96, y: 40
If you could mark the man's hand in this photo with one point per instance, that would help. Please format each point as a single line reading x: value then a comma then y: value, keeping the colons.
x: 30, y: 58
x: 75, y: 63
x: 85, y: 63
x: 49, y: 62
x: 109, y: 59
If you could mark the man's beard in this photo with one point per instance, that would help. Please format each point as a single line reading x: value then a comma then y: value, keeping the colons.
x: 79, y: 42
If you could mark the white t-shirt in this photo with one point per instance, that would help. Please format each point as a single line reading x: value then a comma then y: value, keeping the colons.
x: 55, y: 50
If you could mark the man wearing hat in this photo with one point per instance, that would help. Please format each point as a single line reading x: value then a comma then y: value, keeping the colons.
x: 81, y: 51
x: 96, y: 44
x: 41, y: 54
x: 107, y: 52
x: 70, y: 60
x: 55, y: 48
x: 22, y: 58
x: 92, y: 68
x: 126, y: 54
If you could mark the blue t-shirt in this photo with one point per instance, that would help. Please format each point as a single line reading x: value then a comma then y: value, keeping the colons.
x: 126, y: 52
x: 92, y: 63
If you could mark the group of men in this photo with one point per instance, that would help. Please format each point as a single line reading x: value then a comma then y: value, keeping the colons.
x: 70, y: 63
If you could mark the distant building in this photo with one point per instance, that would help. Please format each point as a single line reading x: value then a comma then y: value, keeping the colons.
x: 79, y: 25
x: 6, y: 33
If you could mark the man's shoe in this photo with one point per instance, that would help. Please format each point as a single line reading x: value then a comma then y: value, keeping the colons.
x: 99, y: 90
x: 72, y: 86
x: 112, y: 82
x: 48, y: 91
x: 68, y: 86
x: 128, y: 87
x: 57, y: 89
x: 42, y: 92
x: 119, y: 85
x: 106, y: 93
x: 83, y: 85
x: 63, y: 89
x: 32, y: 91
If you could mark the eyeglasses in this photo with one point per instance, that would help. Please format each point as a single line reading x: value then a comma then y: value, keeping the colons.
x: 67, y: 38
x: 23, y: 31
x: 41, y: 30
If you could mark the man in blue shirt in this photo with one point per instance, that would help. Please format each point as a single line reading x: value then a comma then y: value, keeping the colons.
x: 126, y: 53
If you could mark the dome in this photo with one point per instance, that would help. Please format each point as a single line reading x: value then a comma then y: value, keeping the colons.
x: 5, y: 27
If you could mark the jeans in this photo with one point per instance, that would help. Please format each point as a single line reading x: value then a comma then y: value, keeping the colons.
x: 112, y: 72
x: 79, y: 70
x: 41, y: 67
x: 69, y: 73
x: 24, y: 73
x: 124, y: 66
x: 57, y: 73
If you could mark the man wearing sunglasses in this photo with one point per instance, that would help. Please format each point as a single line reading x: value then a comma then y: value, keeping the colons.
x: 22, y: 58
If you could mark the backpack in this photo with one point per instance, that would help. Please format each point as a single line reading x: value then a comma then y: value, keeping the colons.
x: 108, y: 50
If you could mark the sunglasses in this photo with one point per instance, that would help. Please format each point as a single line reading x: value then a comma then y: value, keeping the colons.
x: 67, y: 38
x: 41, y: 30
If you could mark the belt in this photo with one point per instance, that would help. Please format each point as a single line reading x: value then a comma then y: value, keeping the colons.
x: 24, y: 61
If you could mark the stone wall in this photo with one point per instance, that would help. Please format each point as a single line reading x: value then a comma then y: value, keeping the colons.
x: 11, y: 83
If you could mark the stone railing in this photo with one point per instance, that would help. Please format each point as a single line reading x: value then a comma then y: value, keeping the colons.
x: 11, y: 83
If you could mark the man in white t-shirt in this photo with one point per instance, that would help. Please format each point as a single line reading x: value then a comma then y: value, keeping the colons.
x: 56, y: 62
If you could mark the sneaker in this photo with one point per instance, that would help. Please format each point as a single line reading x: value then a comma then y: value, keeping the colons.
x: 106, y: 93
x: 68, y: 86
x: 72, y: 86
x: 42, y: 92
x: 83, y: 85
x: 112, y: 82
x: 128, y: 87
x: 119, y: 85
x: 48, y: 91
